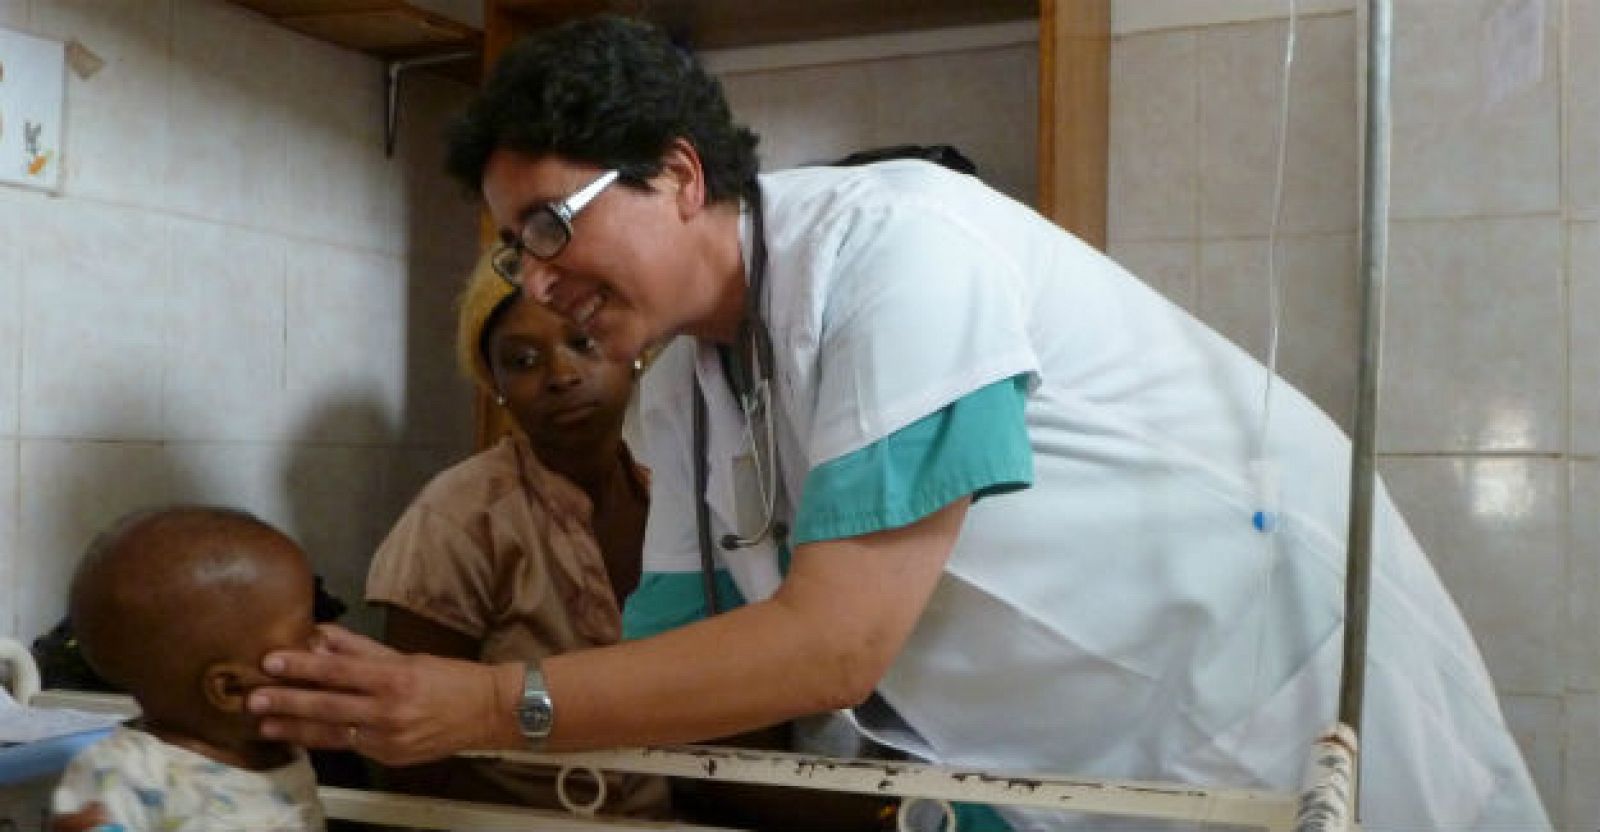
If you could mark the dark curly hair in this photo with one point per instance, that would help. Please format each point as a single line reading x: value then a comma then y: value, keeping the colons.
x: 610, y: 91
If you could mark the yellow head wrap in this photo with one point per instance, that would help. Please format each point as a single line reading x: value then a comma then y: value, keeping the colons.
x: 485, y: 294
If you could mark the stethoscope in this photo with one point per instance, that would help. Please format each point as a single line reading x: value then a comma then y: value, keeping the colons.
x: 748, y: 367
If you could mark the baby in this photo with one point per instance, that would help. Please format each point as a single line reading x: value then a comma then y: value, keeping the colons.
x: 178, y: 606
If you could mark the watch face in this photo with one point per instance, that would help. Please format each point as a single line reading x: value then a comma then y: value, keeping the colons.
x: 535, y: 717
x: 535, y: 712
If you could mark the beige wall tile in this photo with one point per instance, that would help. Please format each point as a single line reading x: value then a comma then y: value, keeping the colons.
x: 1241, y: 72
x: 1583, y: 273
x: 1168, y: 267
x: 807, y: 115
x: 985, y: 102
x: 1318, y: 339
x: 1473, y: 338
x: 1536, y: 723
x: 96, y: 322
x: 1583, y: 109
x: 1155, y: 128
x: 982, y: 101
x: 1581, y: 809
x: 14, y: 14
x: 1583, y: 581
x: 75, y: 490
x: 1495, y: 528
x: 1455, y: 153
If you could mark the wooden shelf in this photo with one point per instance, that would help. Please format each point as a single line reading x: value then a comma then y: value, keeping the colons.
x: 721, y: 24
x: 387, y: 29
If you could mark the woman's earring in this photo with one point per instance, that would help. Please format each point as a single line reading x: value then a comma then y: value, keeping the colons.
x: 500, y: 400
x: 638, y: 367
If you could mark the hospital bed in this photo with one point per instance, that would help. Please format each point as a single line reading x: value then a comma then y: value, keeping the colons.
x: 28, y: 774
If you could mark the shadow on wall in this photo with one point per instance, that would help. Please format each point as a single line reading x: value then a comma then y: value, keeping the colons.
x: 442, y: 240
x: 336, y: 501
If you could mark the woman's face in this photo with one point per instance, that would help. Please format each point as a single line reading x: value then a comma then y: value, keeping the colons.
x: 567, y: 396
x: 615, y: 279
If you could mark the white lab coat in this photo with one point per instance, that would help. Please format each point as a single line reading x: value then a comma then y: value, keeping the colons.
x: 1122, y: 617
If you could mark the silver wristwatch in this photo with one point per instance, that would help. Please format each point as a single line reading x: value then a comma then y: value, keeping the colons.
x: 535, y: 712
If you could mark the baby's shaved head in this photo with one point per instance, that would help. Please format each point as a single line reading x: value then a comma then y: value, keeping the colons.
x: 165, y: 592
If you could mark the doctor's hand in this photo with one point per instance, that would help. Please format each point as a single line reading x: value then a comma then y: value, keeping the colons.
x: 351, y: 692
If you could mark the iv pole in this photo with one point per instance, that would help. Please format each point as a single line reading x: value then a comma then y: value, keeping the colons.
x: 1374, y: 259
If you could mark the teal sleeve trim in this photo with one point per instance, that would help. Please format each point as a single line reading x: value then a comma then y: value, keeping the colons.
x: 668, y: 600
x: 979, y: 817
x: 977, y: 445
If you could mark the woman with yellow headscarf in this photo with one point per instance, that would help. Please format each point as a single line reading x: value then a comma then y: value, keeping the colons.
x: 528, y: 548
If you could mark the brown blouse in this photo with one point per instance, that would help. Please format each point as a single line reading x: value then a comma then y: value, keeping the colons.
x: 501, y: 549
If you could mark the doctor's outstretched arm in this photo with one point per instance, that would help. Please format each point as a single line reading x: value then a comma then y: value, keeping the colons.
x: 822, y: 641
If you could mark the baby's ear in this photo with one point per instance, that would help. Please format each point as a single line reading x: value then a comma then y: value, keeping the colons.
x: 226, y: 684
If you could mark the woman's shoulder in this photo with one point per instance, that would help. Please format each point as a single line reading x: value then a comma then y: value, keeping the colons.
x: 477, y: 483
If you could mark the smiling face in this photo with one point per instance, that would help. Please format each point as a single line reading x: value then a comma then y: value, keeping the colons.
x: 644, y: 262
x: 565, y: 393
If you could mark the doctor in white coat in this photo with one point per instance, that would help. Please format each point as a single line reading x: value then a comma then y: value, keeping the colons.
x: 956, y: 472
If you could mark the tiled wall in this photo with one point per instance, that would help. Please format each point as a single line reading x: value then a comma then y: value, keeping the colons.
x: 1489, y: 424
x: 983, y: 100
x: 236, y: 297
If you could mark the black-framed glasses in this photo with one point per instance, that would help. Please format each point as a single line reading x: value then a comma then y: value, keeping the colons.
x: 547, y: 230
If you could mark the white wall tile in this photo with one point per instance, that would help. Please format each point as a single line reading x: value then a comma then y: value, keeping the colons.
x: 95, y: 306
x: 339, y: 186
x: 1583, y: 109
x: 1473, y: 338
x: 225, y: 376
x: 1455, y: 153
x: 1537, y: 724
x: 12, y: 232
x: 1154, y: 178
x: 1583, y: 272
x: 1583, y: 582
x: 346, y: 348
x: 253, y: 476
x: 228, y: 145
x: 117, y: 121
x: 74, y: 490
x: 1495, y: 528
x: 1318, y: 335
x: 1241, y: 90
x: 1582, y: 805
x: 9, y: 496
x: 1168, y: 267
